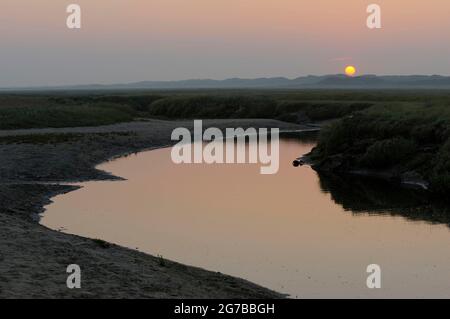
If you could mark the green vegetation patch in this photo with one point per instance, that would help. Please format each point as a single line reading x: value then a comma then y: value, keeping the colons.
x: 56, y: 138
x: 252, y: 106
x: 402, y: 137
x: 35, y: 110
x: 57, y: 116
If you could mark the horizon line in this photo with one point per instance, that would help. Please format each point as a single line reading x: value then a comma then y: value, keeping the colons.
x: 93, y: 84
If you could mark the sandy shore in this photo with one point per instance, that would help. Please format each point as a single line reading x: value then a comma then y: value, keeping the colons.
x: 33, y: 258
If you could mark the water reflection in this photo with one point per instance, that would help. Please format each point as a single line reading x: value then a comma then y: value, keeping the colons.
x: 287, y: 231
x: 363, y: 195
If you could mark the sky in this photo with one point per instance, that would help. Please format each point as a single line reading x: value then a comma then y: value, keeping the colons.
x: 136, y: 40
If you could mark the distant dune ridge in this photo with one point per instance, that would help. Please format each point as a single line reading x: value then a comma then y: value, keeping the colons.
x: 306, y: 82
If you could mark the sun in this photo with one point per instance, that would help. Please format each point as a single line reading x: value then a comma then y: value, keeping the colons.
x: 350, y: 70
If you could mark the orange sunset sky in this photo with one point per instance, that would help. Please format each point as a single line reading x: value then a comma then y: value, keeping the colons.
x: 135, y: 40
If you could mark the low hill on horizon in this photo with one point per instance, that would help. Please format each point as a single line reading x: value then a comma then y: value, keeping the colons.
x: 336, y: 81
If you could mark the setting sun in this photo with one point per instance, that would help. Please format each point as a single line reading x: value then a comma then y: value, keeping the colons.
x: 350, y: 70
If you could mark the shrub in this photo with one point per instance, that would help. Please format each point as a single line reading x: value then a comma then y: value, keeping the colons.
x: 213, y: 107
x: 388, y: 153
x: 62, y: 116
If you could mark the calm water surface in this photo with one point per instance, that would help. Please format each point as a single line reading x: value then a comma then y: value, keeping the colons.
x: 289, y: 231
